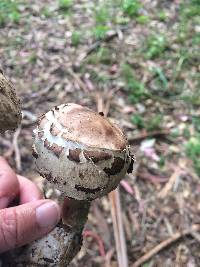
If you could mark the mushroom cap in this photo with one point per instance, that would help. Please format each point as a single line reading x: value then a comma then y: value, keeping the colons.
x: 80, y: 151
x: 10, y: 109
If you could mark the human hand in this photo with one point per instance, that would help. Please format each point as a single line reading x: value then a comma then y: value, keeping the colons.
x: 31, y: 219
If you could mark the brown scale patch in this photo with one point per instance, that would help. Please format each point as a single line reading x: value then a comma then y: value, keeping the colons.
x: 57, y: 150
x: 40, y: 134
x: 87, y: 190
x: 53, y: 130
x: 46, y: 175
x: 74, y: 154
x: 101, y: 113
x: 34, y: 152
x: 47, y: 144
x: 96, y: 156
x: 116, y: 168
x: 42, y: 120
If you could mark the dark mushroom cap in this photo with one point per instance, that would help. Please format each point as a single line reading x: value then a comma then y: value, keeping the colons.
x: 82, y: 152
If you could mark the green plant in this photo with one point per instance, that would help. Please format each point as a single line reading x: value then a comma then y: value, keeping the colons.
x: 33, y: 58
x: 65, y: 4
x: 189, y: 16
x: 131, y: 7
x: 45, y: 12
x: 193, y: 152
x: 196, y: 123
x: 154, y: 123
x: 142, y: 19
x: 155, y: 46
x: 135, y: 88
x: 161, y: 162
x: 138, y: 121
x: 161, y: 78
x: 192, y: 98
x: 76, y: 38
x: 162, y: 16
x: 100, y: 31
x: 102, y: 14
x: 190, y: 9
x: 9, y: 12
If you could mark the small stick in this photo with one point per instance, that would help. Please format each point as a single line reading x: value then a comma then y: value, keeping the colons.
x: 78, y: 80
x: 144, y: 135
x: 169, y: 185
x: 164, y: 244
x: 118, y: 228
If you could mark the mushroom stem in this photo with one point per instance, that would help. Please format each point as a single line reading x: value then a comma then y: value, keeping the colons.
x: 75, y: 213
x: 60, y: 246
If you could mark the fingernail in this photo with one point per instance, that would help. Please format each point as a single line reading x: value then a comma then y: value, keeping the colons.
x: 48, y: 214
x: 4, y: 201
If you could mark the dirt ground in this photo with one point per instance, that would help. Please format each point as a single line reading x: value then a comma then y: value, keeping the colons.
x: 141, y: 69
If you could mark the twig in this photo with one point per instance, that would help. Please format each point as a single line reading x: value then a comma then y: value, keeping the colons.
x: 145, y: 135
x: 93, y: 47
x: 100, y: 102
x: 41, y: 92
x: 108, y: 257
x: 163, y: 193
x: 78, y: 80
x: 87, y: 233
x: 164, y: 244
x: 16, y: 149
x: 150, y: 177
x: 118, y: 228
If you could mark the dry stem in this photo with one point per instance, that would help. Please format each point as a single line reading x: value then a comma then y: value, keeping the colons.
x: 166, y: 243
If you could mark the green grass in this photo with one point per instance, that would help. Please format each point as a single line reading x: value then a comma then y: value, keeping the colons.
x: 153, y: 123
x: 102, y: 19
x: 45, y: 12
x: 136, y: 89
x: 160, y: 78
x: 196, y: 123
x: 138, y: 121
x: 193, y: 152
x: 131, y: 7
x: 189, y: 16
x: 33, y: 58
x: 64, y: 5
x: 101, y: 14
x: 100, y: 31
x: 142, y: 19
x: 155, y: 46
x: 76, y: 38
x: 9, y: 12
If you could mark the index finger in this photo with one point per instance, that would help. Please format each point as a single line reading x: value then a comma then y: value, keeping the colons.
x: 9, y: 185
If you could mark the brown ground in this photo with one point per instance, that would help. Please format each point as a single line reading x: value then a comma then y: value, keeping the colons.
x: 38, y: 56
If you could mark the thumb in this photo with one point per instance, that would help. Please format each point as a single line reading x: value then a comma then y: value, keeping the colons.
x: 25, y: 223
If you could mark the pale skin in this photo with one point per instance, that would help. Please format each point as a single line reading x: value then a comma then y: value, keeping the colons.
x: 32, y: 218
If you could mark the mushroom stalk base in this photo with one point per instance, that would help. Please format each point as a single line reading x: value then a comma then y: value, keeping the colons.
x: 59, y: 247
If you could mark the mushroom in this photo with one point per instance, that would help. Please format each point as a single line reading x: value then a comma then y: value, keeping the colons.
x: 10, y: 109
x: 90, y: 154
x: 84, y: 155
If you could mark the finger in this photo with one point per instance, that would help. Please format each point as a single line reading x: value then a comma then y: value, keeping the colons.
x: 28, y: 190
x: 23, y: 224
x: 9, y: 185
